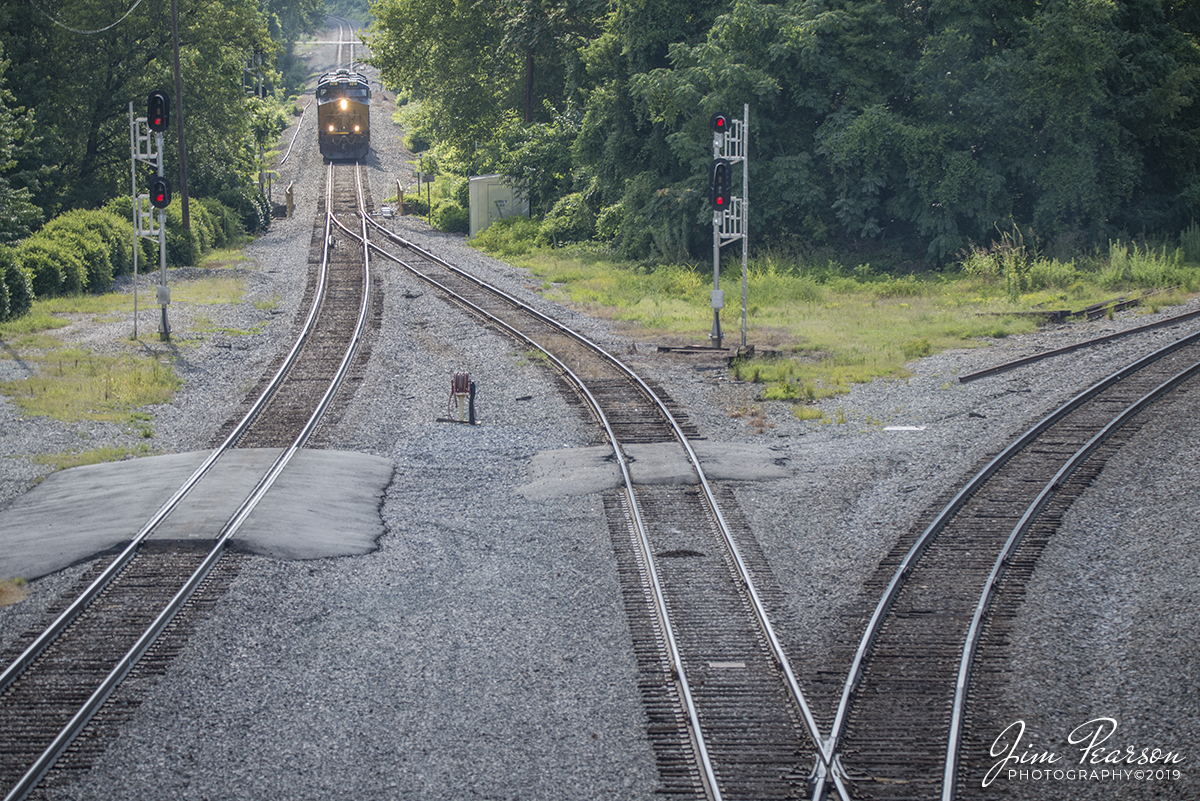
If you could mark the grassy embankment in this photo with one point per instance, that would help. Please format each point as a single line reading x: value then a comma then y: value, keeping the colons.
x: 75, y: 383
x: 833, y: 326
x: 122, y: 384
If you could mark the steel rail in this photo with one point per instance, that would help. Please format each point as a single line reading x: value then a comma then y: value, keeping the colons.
x: 1026, y: 522
x: 64, y: 619
x: 679, y: 673
x: 299, y: 125
x: 943, y: 518
x: 825, y: 755
x: 1037, y: 357
x: 72, y: 729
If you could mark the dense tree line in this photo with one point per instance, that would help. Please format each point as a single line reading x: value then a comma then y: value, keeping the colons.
x: 70, y: 70
x: 917, y: 127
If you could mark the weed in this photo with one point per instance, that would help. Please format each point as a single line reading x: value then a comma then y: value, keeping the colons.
x: 1189, y: 240
x: 218, y: 289
x: 228, y: 257
x: 843, y: 325
x: 63, y: 461
x: 72, y: 385
x: 12, y: 591
x: 803, y: 412
x: 916, y: 348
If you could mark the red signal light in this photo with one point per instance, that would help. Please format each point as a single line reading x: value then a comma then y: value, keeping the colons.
x: 720, y: 183
x: 158, y: 110
x: 160, y: 193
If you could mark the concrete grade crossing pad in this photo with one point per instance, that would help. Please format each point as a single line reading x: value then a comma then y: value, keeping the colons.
x: 325, y: 503
x: 580, y: 471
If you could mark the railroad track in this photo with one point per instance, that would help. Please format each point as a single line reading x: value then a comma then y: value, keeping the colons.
x: 903, y: 708
x: 1090, y: 343
x: 727, y: 718
x: 64, y: 675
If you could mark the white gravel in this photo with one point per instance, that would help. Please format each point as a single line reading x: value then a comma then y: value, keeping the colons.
x: 482, y: 652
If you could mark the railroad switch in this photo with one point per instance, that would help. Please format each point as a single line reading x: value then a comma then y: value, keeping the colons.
x: 462, y: 394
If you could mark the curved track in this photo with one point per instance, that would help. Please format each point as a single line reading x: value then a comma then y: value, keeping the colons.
x: 1090, y: 343
x: 902, y: 708
x: 728, y: 718
x: 63, y: 677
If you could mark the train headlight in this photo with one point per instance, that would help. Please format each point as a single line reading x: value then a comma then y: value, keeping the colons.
x: 331, y: 129
x: 356, y: 129
x: 343, y: 104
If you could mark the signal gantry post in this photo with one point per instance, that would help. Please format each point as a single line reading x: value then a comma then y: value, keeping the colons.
x: 146, y: 146
x: 730, y: 212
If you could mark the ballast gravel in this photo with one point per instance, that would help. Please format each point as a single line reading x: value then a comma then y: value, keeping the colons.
x: 482, y: 651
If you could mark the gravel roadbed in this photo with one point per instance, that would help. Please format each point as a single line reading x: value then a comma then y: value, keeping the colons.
x: 482, y: 651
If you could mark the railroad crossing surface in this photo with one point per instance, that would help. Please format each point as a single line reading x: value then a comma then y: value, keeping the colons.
x: 325, y: 504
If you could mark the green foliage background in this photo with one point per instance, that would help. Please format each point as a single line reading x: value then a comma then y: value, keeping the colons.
x: 70, y: 70
x: 877, y: 126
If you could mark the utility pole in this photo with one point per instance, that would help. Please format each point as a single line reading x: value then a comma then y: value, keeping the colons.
x: 183, y: 191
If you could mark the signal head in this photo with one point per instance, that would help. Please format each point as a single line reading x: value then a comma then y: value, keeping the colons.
x: 160, y: 193
x: 720, y: 123
x: 158, y: 110
x: 720, y: 184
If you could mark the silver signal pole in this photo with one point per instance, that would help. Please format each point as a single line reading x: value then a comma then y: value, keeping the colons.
x: 147, y: 149
x: 133, y: 160
x: 731, y: 224
x: 164, y: 292
x: 745, y: 210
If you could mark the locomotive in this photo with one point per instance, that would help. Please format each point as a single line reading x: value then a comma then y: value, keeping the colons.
x: 343, y: 115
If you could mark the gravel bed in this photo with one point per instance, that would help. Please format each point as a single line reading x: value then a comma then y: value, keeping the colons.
x: 482, y: 652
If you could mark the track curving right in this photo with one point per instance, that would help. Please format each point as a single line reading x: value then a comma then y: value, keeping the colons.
x: 901, y: 711
x: 727, y: 717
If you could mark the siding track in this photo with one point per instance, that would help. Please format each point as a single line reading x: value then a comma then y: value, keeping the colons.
x: 727, y: 718
x: 906, y: 697
x: 65, y: 674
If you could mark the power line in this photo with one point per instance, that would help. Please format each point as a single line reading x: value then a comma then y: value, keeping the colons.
x: 62, y: 24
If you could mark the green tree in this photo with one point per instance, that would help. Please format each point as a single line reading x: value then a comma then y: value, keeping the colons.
x: 18, y: 214
x: 79, y: 65
x: 546, y: 34
x: 448, y: 55
x: 926, y: 126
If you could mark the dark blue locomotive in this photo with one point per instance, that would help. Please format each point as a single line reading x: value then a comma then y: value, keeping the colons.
x: 343, y: 115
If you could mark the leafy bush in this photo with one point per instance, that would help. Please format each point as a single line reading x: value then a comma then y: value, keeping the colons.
x: 608, y: 222
x: 201, y: 225
x: 250, y: 206
x: 570, y: 220
x: 122, y: 208
x: 17, y: 284
x: 3, y: 296
x: 91, y: 250
x: 212, y: 224
x: 460, y: 192
x: 101, y: 238
x: 183, y: 246
x: 450, y: 216
x: 46, y: 264
x: 416, y: 204
x: 512, y: 236
x: 226, y: 226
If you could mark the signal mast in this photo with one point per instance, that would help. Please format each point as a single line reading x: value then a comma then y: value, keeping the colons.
x: 730, y: 220
x: 149, y: 150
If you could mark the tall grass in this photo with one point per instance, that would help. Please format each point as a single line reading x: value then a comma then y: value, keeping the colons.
x: 831, y: 326
x: 1131, y: 266
x: 71, y: 385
